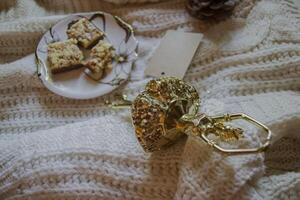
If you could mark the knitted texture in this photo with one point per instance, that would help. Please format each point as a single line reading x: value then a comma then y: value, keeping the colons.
x: 248, y: 63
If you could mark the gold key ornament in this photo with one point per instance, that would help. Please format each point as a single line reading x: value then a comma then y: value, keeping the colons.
x: 168, y: 109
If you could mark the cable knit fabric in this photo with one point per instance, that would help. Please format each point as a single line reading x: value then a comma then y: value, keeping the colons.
x: 52, y: 147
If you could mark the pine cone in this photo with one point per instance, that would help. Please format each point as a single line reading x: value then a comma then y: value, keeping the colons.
x: 210, y: 8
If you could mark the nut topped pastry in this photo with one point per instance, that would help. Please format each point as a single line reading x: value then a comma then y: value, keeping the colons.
x: 64, y: 56
x: 101, y: 58
x: 85, y: 32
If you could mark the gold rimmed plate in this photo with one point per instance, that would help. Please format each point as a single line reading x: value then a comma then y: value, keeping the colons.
x: 79, y: 84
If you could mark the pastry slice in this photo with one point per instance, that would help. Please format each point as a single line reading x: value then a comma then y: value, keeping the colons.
x: 64, y: 56
x: 95, y: 67
x: 101, y: 58
x: 85, y: 32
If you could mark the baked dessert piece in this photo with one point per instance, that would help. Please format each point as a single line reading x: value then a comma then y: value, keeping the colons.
x: 85, y: 32
x: 64, y: 56
x: 101, y: 58
x: 96, y: 68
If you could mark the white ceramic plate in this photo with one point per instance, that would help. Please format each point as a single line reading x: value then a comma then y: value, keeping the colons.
x: 78, y: 84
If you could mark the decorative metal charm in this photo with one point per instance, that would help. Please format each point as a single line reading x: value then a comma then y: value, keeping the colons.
x: 168, y: 109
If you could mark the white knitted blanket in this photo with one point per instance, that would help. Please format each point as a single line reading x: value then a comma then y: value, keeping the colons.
x: 248, y: 63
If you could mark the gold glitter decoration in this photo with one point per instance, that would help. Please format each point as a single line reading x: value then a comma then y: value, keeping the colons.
x: 168, y: 109
x: 156, y: 112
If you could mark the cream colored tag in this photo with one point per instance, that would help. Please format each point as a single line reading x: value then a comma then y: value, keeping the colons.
x: 174, y: 54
